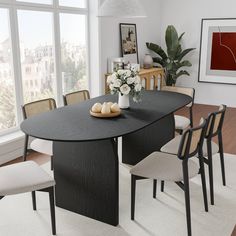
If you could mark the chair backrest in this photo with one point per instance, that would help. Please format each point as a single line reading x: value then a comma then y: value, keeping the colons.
x: 187, y: 91
x: 192, y: 140
x: 215, y: 122
x: 37, y: 107
x: 76, y: 97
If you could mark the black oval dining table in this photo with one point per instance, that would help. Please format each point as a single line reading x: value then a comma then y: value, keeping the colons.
x: 86, y: 165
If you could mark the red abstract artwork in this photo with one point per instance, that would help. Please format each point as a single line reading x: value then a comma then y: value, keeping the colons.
x: 223, y: 54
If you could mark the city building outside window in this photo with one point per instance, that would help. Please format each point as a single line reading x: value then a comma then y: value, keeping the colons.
x: 43, y: 53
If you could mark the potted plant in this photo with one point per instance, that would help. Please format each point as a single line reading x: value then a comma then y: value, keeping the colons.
x: 172, y: 60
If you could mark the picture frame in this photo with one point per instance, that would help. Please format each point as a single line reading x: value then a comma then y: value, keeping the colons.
x: 129, y: 43
x: 217, y: 59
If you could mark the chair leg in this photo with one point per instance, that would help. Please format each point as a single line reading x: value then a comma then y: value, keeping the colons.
x: 210, y: 167
x: 222, y: 162
x: 162, y: 185
x: 34, y: 200
x: 133, y: 189
x: 203, y: 178
x: 187, y: 198
x: 52, y: 163
x: 52, y: 209
x: 25, y: 147
x: 154, y: 188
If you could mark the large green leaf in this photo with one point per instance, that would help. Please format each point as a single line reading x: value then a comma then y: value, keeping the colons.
x: 184, y: 63
x: 172, y: 41
x: 159, y: 61
x: 184, y: 53
x: 181, y: 36
x: 180, y: 73
x: 157, y: 49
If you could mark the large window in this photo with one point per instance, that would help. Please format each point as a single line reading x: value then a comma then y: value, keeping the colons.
x: 7, y: 87
x: 73, y: 52
x: 43, y: 53
x: 37, y: 54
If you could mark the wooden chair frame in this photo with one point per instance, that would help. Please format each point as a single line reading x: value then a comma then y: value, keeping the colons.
x: 211, y: 132
x: 50, y: 191
x: 26, y: 142
x: 185, y: 142
x: 85, y: 93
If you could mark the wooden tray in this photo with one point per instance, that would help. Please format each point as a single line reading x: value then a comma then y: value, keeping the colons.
x: 100, y: 115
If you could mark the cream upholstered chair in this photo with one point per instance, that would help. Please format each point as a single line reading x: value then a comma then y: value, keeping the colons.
x: 76, y: 97
x: 38, y: 145
x: 214, y: 128
x: 28, y: 177
x: 182, y: 122
x: 176, y: 168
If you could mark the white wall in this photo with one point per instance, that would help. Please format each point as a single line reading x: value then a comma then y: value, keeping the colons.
x: 148, y: 30
x: 186, y: 16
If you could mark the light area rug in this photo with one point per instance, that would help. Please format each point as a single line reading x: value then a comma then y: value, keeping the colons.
x: 164, y: 216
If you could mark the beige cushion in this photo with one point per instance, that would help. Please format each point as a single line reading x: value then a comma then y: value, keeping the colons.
x: 172, y: 146
x: 23, y: 177
x: 163, y: 166
x: 42, y: 146
x: 181, y: 122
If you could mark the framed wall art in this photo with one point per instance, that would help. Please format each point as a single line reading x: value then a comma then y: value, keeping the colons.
x: 217, y: 62
x: 129, y: 44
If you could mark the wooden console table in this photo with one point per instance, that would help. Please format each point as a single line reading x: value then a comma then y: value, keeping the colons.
x: 148, y: 75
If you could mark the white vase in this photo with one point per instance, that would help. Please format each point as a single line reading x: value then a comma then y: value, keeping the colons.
x: 147, y: 61
x: 123, y: 101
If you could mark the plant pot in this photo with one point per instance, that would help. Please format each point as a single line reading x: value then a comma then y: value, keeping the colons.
x: 123, y: 101
x: 169, y: 80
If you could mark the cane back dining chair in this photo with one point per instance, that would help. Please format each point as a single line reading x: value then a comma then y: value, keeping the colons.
x: 76, y: 97
x: 214, y: 127
x: 175, y: 168
x: 182, y: 122
x: 38, y: 145
x: 28, y: 177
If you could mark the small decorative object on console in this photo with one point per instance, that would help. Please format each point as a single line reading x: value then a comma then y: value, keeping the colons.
x: 147, y: 61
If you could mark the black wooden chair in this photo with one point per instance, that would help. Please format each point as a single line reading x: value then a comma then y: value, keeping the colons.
x: 175, y: 168
x: 76, y: 97
x: 182, y: 122
x: 38, y: 145
x: 214, y: 126
x: 28, y: 177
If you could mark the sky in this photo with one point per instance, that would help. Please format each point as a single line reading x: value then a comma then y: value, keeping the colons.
x: 36, y: 28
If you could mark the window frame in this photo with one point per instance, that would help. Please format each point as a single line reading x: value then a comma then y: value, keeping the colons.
x: 13, y: 6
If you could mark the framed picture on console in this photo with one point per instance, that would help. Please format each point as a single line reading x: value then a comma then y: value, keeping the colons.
x: 129, y: 44
x: 217, y: 61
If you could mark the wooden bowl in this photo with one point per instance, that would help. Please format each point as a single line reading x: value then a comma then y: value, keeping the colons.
x: 109, y: 115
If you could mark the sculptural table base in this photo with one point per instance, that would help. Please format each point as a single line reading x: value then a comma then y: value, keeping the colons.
x: 87, y: 173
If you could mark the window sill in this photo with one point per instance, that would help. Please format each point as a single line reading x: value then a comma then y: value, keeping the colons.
x: 9, y: 138
x: 11, y: 146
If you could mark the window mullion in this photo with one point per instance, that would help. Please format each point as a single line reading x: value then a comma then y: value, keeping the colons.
x: 57, y: 50
x: 16, y: 62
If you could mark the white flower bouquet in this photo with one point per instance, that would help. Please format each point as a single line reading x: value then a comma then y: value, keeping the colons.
x: 126, y: 82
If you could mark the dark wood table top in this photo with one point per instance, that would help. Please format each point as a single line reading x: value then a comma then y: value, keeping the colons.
x: 74, y: 123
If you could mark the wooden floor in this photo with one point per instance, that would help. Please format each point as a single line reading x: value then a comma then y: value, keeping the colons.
x: 229, y: 132
x: 229, y: 128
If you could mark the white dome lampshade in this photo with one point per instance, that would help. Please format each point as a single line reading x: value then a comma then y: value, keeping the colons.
x: 121, y: 9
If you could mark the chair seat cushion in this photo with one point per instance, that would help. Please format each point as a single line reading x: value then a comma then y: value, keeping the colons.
x: 181, y: 122
x: 23, y: 177
x: 163, y: 166
x: 173, y: 145
x: 42, y: 146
